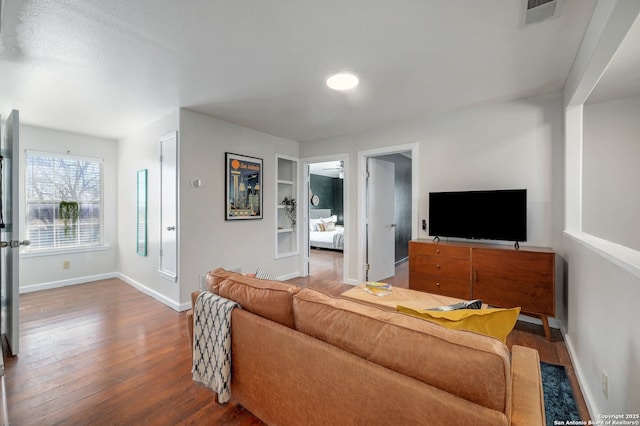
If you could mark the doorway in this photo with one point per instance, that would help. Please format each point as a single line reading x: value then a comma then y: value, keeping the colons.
x: 389, y: 208
x: 326, y: 214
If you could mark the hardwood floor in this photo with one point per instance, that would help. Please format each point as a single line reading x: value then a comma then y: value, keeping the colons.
x: 105, y: 353
x: 102, y: 354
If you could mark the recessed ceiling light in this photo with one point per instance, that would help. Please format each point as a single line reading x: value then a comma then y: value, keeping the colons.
x: 342, y: 81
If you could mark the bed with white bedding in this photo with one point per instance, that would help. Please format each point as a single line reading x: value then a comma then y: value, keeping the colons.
x: 323, y: 231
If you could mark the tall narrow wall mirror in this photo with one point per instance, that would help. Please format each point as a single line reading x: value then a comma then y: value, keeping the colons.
x: 141, y: 235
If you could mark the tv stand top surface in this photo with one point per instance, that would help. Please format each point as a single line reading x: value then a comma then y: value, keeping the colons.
x: 474, y: 244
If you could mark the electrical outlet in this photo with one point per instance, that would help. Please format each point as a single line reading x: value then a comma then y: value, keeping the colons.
x: 66, y: 264
x: 605, y: 384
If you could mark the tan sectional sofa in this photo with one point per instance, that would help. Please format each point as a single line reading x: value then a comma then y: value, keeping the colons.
x: 301, y: 357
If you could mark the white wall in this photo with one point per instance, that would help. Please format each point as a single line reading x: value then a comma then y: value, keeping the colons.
x: 603, y: 277
x: 602, y: 335
x: 207, y: 240
x: 611, y: 172
x: 141, y: 150
x: 41, y: 272
x: 515, y: 144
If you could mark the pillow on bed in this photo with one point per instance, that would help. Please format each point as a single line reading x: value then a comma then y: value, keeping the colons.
x: 330, y: 226
x: 333, y: 219
x: 313, y: 224
x: 321, y: 227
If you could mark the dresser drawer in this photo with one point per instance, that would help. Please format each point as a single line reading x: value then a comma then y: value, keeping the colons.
x: 442, y: 266
x: 452, y: 287
x: 437, y: 249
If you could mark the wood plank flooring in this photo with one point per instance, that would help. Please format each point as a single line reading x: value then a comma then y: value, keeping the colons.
x: 104, y: 353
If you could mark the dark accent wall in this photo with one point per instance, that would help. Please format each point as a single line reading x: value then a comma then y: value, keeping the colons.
x: 330, y: 190
x: 402, y: 203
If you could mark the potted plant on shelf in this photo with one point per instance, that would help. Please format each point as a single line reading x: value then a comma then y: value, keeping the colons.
x: 69, y: 213
x: 290, y: 210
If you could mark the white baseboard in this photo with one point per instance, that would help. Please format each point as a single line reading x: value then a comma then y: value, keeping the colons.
x: 150, y: 292
x: 65, y: 283
x: 553, y: 323
x: 586, y: 392
x: 288, y: 276
x: 91, y: 278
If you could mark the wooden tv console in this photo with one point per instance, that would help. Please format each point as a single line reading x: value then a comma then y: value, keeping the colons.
x: 500, y: 276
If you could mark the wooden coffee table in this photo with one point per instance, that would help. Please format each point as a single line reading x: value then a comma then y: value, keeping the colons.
x: 400, y: 296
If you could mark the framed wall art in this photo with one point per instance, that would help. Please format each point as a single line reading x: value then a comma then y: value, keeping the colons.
x: 243, y: 193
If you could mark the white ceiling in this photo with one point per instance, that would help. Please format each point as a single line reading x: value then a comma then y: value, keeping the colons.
x: 109, y: 67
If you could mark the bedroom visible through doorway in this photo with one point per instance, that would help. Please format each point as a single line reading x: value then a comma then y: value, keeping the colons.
x: 326, y: 217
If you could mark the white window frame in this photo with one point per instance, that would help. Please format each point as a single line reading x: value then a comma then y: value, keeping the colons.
x: 78, y: 246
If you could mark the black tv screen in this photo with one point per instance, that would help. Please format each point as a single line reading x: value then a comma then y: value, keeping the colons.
x: 486, y: 215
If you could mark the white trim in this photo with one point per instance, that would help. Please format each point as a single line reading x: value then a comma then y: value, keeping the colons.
x: 295, y: 192
x: 346, y: 209
x: 150, y: 292
x: 288, y: 276
x: 66, y: 283
x: 61, y: 251
x: 577, y: 368
x: 362, y: 196
x: 168, y: 276
x: 624, y: 257
x: 67, y: 156
x: 553, y: 323
x: 3, y: 391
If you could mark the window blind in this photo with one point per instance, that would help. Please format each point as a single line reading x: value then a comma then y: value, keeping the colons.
x: 52, y: 178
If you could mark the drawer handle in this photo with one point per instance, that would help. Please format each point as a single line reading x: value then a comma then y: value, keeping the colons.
x: 437, y: 284
x: 438, y: 251
x: 437, y: 266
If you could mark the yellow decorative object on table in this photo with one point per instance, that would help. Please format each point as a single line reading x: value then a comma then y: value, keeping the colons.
x: 377, y: 288
x: 493, y: 322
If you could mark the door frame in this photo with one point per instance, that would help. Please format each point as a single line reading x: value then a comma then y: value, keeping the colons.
x: 173, y: 197
x: 305, y: 162
x: 362, y: 197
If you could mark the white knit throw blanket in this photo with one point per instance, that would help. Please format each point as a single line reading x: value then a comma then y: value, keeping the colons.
x: 212, y: 343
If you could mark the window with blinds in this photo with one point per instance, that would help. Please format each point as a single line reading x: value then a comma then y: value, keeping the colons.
x: 52, y: 178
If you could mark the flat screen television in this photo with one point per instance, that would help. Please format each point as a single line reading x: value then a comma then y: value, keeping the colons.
x: 486, y: 215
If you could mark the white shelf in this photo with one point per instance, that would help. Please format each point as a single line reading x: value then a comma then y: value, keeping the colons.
x: 286, y: 254
x: 286, y: 186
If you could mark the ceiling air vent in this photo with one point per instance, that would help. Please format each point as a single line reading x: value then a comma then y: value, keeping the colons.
x: 534, y: 11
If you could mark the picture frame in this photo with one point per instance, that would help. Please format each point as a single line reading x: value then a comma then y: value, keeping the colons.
x: 243, y: 187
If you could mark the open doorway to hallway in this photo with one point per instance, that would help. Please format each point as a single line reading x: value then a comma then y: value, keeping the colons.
x: 388, y: 208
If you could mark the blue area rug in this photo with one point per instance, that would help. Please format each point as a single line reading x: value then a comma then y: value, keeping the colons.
x: 559, y: 402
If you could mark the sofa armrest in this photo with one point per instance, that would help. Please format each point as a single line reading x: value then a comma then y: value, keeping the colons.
x: 527, y: 399
x: 194, y: 296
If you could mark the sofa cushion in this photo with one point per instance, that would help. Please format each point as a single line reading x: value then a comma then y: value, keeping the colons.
x: 494, y: 322
x: 272, y: 300
x: 469, y: 365
x: 215, y: 277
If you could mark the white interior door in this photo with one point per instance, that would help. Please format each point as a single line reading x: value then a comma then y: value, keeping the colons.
x: 380, y: 219
x: 9, y: 232
x: 169, y: 206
